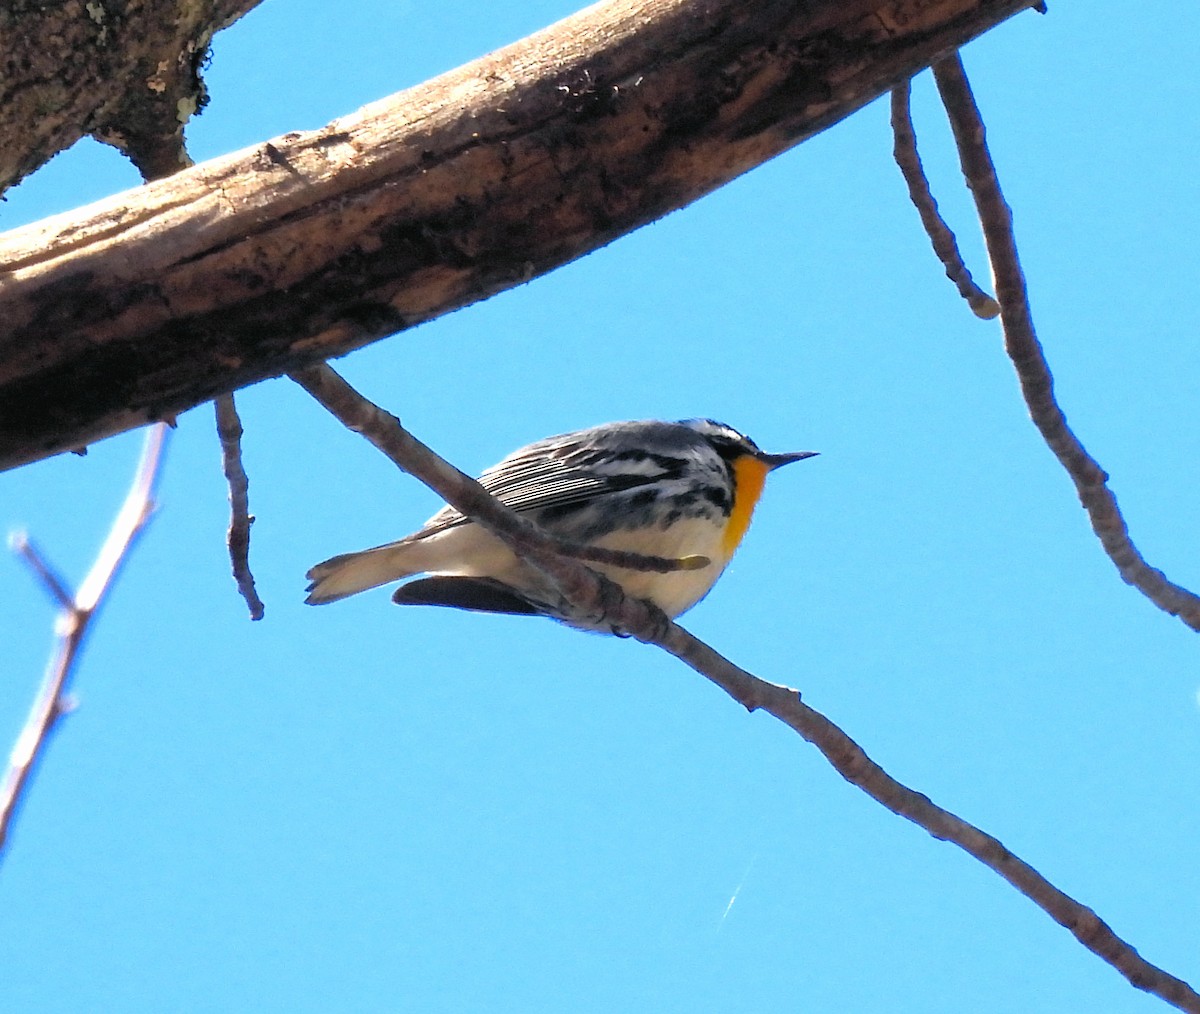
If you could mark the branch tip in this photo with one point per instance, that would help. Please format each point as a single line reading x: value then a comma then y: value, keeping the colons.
x: 944, y: 242
x: 23, y: 547
x: 54, y: 698
x: 237, y: 539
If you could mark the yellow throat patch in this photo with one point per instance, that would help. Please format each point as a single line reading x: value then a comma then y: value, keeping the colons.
x: 749, y: 474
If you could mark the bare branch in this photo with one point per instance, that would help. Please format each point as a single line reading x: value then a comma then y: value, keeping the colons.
x: 74, y: 619
x: 384, y: 430
x: 130, y: 520
x: 593, y: 596
x: 229, y: 430
x: 313, y: 244
x: 944, y: 243
x: 51, y: 580
x: 127, y: 75
x: 596, y: 598
x: 853, y: 764
x: 1025, y: 351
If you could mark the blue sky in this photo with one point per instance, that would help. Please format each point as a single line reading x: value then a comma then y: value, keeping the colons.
x: 365, y: 808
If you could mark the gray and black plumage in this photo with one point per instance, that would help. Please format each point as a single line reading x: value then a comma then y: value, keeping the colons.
x: 655, y: 488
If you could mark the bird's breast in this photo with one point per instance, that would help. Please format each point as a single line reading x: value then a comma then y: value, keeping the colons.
x: 675, y: 591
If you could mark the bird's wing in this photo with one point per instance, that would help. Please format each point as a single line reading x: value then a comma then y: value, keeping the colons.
x: 559, y: 473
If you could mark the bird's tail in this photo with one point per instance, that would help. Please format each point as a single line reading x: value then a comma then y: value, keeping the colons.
x: 352, y: 573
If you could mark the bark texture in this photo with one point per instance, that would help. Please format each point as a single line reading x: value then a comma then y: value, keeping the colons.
x: 124, y: 71
x: 314, y: 244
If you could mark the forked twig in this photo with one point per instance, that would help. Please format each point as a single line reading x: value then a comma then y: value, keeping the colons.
x: 1025, y: 351
x: 944, y: 243
x: 229, y: 431
x: 75, y: 615
x: 593, y: 596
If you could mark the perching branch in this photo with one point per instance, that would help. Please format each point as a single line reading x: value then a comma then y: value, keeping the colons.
x: 542, y: 549
x: 594, y: 597
x: 229, y: 431
x: 75, y: 615
x: 1025, y: 351
x: 313, y: 244
x: 944, y: 243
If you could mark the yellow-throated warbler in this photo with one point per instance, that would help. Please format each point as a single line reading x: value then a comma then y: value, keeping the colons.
x: 655, y: 488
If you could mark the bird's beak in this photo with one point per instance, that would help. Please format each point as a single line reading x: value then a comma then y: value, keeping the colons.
x: 774, y: 461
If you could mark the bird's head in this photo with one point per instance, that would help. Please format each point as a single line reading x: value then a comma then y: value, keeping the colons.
x: 732, y: 445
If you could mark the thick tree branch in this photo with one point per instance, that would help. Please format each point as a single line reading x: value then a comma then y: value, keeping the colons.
x: 593, y: 596
x: 314, y: 244
x: 1025, y: 351
x: 76, y: 613
x: 128, y: 73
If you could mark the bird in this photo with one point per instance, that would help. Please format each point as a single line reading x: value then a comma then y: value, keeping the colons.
x: 677, y: 490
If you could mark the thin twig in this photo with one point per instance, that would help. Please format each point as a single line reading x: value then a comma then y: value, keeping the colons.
x: 853, y: 764
x: 939, y: 233
x: 74, y: 619
x: 595, y: 597
x: 51, y: 580
x: 229, y: 430
x: 1025, y: 351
